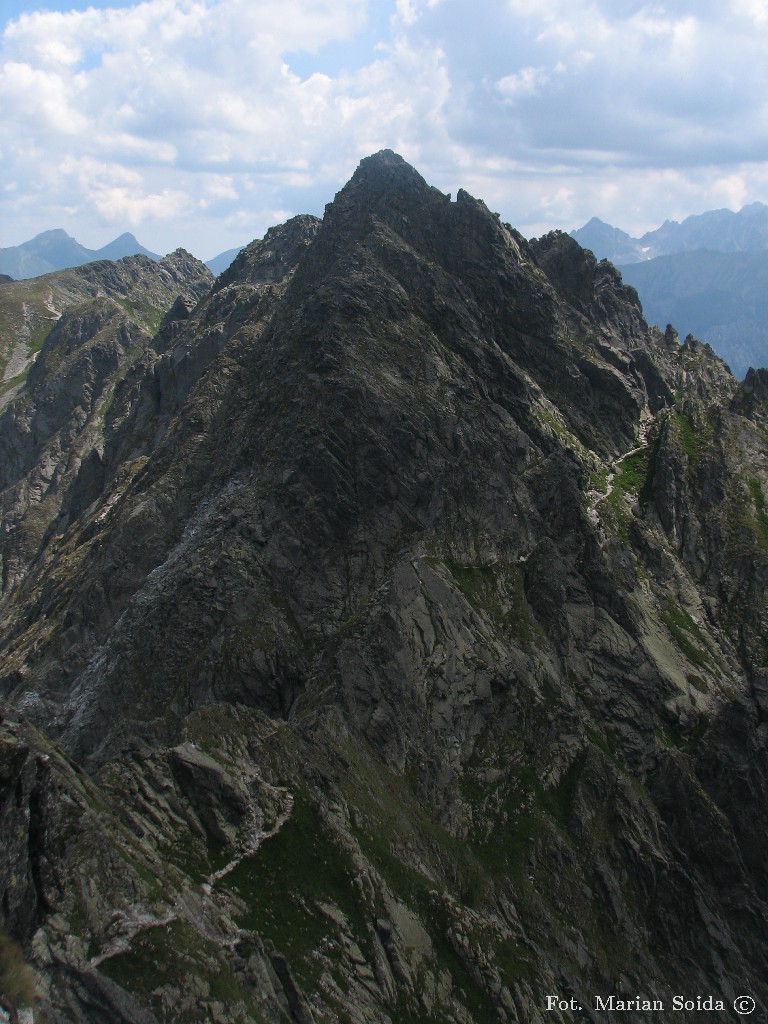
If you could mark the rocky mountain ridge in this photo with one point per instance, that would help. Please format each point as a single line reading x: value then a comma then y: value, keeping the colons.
x: 69, y: 339
x: 29, y: 310
x: 394, y: 647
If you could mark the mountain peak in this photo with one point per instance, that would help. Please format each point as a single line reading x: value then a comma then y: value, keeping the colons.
x: 126, y: 238
x: 55, y: 249
x: 595, y: 222
x: 386, y: 169
x: 52, y: 235
x: 386, y: 163
x: 384, y: 189
x: 755, y: 209
x: 384, y: 158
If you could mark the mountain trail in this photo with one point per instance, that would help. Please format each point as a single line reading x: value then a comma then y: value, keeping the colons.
x: 597, y: 497
x: 254, y: 838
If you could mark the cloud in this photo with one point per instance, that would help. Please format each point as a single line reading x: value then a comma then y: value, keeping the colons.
x: 526, y: 82
x: 192, y: 87
x: 177, y: 113
x: 409, y: 11
x: 119, y: 194
x: 634, y: 79
x: 163, y: 68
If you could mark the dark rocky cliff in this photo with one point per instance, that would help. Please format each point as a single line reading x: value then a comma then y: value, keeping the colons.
x: 398, y: 653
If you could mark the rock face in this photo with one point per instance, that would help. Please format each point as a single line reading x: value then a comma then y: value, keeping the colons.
x: 77, y: 334
x: 398, y: 650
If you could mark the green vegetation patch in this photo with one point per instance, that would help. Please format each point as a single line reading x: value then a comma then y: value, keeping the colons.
x: 499, y: 591
x: 693, y: 438
x: 389, y: 808
x: 173, y: 954
x: 697, y: 682
x: 189, y: 854
x: 524, y: 814
x: 760, y: 521
x: 282, y: 883
x: 143, y: 312
x: 686, y: 633
x: 632, y: 481
x: 632, y: 472
x: 747, y: 519
x: 687, y: 740
x: 603, y: 742
x: 439, y: 916
x: 509, y: 956
x: 9, y: 385
x: 390, y: 825
x: 477, y: 584
x: 38, y: 336
x: 598, y: 479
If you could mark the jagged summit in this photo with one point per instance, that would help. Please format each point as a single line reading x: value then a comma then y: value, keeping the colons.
x: 385, y: 187
x: 381, y: 630
x: 387, y: 169
x: 385, y: 163
x: 386, y: 173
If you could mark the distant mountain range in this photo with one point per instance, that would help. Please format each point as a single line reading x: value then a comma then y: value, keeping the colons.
x: 707, y: 276
x: 719, y: 230
x: 56, y: 250
x: 718, y: 297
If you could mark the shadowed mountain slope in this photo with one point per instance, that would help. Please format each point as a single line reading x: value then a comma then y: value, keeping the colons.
x: 76, y: 334
x: 398, y: 652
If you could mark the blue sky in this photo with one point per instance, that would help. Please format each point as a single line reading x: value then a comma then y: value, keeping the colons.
x: 203, y: 122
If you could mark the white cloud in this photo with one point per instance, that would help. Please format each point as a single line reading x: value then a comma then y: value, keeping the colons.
x: 119, y: 194
x: 525, y: 82
x: 409, y: 11
x: 756, y: 10
x: 196, y: 86
x: 221, y: 187
x: 165, y: 110
x: 121, y: 205
x: 41, y: 99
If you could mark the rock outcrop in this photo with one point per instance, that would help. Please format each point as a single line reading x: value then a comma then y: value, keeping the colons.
x: 397, y: 652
